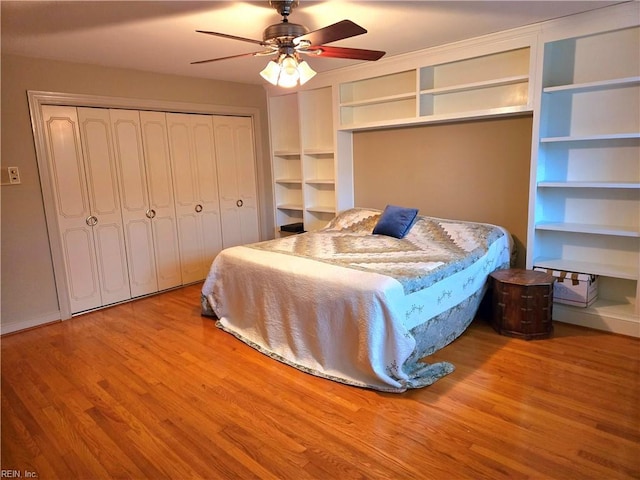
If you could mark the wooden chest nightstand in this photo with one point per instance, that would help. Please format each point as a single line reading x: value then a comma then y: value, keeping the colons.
x: 522, y: 303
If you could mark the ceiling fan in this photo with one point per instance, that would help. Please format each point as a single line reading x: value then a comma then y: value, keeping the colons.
x: 289, y: 40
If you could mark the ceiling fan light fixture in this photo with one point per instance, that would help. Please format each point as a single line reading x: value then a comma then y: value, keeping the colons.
x: 288, y: 71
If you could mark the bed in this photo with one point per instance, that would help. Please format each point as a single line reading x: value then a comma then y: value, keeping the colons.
x: 355, y: 307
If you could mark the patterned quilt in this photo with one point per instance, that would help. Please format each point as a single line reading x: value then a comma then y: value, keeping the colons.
x: 434, y: 248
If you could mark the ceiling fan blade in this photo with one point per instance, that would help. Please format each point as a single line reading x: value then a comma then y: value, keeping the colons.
x: 232, y: 37
x: 350, y: 53
x: 332, y: 33
x: 252, y: 54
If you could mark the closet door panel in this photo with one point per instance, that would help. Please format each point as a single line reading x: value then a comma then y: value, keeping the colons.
x: 205, y: 158
x: 246, y: 164
x: 65, y: 162
x: 207, y: 184
x: 191, y: 247
x: 101, y: 173
x: 142, y: 271
x: 129, y: 156
x: 167, y: 253
x: 186, y: 192
x: 158, y: 163
x: 195, y: 187
x: 64, y: 154
x: 228, y: 181
x: 212, y: 239
x: 82, y: 269
x: 130, y: 161
x: 184, y: 174
x: 114, y: 274
x: 236, y: 173
x: 102, y: 177
x: 161, y: 199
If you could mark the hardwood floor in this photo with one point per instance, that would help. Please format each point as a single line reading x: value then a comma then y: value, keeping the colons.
x: 150, y: 389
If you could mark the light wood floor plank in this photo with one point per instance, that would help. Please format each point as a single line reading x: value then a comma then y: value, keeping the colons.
x: 150, y: 389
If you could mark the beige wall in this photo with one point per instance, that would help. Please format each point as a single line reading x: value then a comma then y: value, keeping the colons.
x: 28, y: 288
x: 476, y: 171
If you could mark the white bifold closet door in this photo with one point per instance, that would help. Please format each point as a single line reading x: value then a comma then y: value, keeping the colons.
x: 235, y: 157
x: 138, y: 198
x: 195, y: 180
x: 146, y: 191
x: 85, y: 190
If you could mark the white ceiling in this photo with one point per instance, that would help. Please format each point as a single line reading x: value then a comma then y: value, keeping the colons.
x: 159, y: 36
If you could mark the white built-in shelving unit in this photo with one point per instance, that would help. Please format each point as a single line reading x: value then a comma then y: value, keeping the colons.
x: 303, y: 158
x: 286, y: 159
x: 585, y: 194
x: 580, y: 78
x: 484, y: 85
x: 378, y: 99
x: 496, y: 81
x: 318, y: 157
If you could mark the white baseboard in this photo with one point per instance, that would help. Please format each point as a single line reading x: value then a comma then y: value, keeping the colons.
x: 11, y: 327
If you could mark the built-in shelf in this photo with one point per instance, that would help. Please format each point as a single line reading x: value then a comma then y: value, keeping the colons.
x: 586, y: 200
x: 286, y: 181
x: 615, y: 316
x: 622, y: 185
x: 380, y: 100
x: 481, y: 83
x: 476, y: 85
x: 607, y: 315
x: 618, y: 231
x: 321, y: 209
x: 290, y: 206
x: 593, y: 86
x: 589, y: 138
x: 286, y: 153
x: 320, y: 181
x: 440, y: 118
x: 319, y: 151
x: 386, y: 97
x: 379, y: 87
x: 605, y: 269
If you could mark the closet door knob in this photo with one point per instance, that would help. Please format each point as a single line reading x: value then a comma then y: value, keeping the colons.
x: 198, y: 208
x: 239, y: 203
x: 151, y: 213
x: 92, y: 220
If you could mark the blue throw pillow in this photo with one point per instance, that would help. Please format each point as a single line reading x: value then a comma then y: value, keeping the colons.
x: 396, y: 221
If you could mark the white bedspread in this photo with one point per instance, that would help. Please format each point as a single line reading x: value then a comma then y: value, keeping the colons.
x: 346, y: 324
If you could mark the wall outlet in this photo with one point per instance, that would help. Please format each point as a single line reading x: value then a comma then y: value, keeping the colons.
x: 14, y: 175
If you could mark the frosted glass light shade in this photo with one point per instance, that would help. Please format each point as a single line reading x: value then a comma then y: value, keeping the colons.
x: 306, y: 72
x: 288, y: 72
x: 271, y: 72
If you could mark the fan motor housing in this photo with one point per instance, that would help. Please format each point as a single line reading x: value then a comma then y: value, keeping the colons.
x: 283, y: 30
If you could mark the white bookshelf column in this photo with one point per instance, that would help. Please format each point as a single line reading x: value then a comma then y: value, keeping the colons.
x: 316, y: 120
x: 587, y: 207
x: 303, y: 158
x: 286, y: 159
